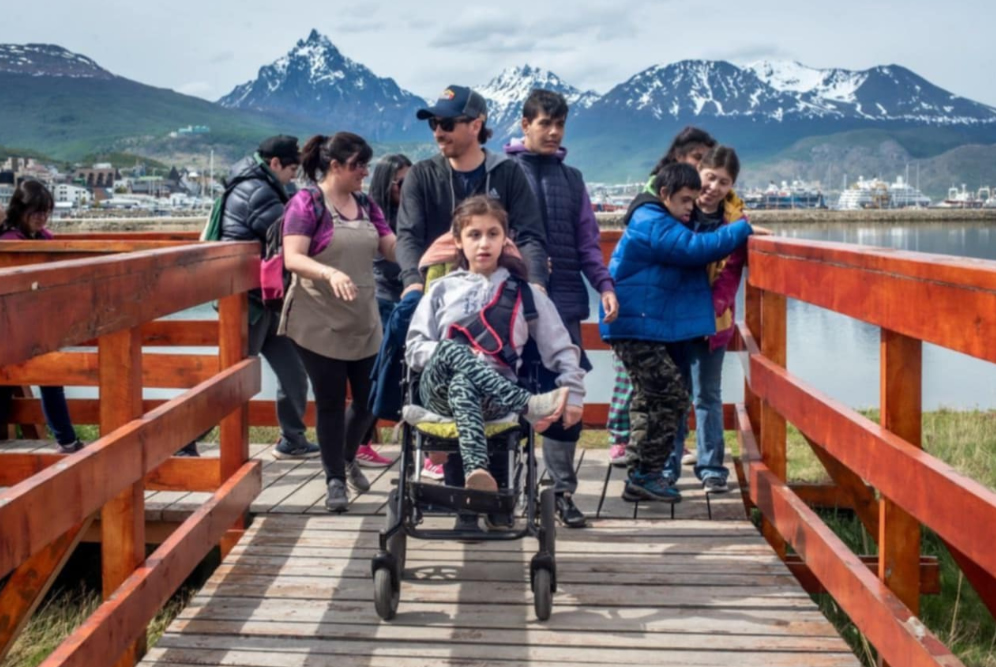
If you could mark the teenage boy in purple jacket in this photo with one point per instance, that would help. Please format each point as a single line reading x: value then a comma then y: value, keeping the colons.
x: 572, y: 240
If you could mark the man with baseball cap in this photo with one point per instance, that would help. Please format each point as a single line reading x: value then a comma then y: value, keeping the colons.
x: 433, y: 188
x: 254, y: 204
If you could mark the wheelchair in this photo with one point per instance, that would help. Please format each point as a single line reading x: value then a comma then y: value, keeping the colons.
x: 413, y: 500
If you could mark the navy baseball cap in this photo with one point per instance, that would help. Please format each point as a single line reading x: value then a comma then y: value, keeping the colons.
x: 454, y: 102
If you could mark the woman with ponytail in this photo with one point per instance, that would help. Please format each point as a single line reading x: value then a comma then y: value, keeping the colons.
x: 332, y: 233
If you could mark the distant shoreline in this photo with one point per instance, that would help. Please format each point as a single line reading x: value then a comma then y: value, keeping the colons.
x: 605, y: 220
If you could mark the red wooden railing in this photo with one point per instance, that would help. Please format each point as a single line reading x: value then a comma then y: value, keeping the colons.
x: 880, y: 469
x: 110, y: 300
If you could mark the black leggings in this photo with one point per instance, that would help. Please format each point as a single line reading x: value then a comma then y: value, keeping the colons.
x: 339, y: 430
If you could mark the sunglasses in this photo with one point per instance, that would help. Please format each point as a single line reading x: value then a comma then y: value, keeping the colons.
x: 447, y: 124
x: 355, y: 166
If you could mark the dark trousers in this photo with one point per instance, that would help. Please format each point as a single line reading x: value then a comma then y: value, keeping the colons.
x: 54, y: 407
x: 292, y: 381
x: 660, y: 399
x: 340, y: 431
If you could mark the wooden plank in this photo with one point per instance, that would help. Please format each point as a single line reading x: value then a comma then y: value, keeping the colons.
x: 80, y: 369
x: 28, y: 584
x: 118, y: 460
x: 888, y: 624
x: 851, y: 490
x: 901, y: 363
x: 954, y: 508
x: 930, y: 574
x: 233, y: 346
x: 877, y: 286
x: 122, y: 518
x: 98, y: 296
x: 175, y: 474
x: 116, y: 622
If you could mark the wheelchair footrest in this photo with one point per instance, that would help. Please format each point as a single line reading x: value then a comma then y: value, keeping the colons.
x: 464, y: 500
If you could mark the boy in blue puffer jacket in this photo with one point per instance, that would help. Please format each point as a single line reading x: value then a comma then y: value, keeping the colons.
x: 659, y: 267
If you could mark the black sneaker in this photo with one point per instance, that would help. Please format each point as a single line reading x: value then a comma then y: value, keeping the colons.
x: 498, y: 522
x: 467, y: 523
x: 714, y: 485
x: 189, y: 449
x: 72, y: 447
x: 336, y: 499
x: 568, y: 512
x: 286, y: 449
x: 355, y: 477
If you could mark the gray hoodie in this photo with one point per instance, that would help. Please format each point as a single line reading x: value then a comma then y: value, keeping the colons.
x: 461, y: 293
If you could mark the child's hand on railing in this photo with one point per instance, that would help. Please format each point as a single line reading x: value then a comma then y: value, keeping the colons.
x: 761, y: 231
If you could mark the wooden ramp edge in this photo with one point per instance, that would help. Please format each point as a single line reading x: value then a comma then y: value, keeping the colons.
x: 297, y: 592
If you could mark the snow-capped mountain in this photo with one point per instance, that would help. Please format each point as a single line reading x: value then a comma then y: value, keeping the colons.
x: 881, y: 93
x: 315, y: 81
x: 48, y: 60
x: 507, y: 92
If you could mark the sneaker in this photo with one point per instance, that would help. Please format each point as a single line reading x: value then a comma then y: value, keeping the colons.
x: 356, y: 478
x: 543, y: 410
x: 188, y: 450
x: 481, y: 480
x: 467, y: 523
x: 650, y: 486
x: 715, y: 484
x: 285, y: 449
x: 617, y: 455
x: 433, y: 470
x: 368, y: 457
x: 568, y: 512
x: 72, y: 447
x: 689, y: 458
x: 497, y: 522
x: 336, y: 499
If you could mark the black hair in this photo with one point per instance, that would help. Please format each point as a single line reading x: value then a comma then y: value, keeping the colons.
x: 284, y: 160
x: 485, y: 133
x: 539, y: 101
x: 320, y: 151
x: 29, y: 197
x: 484, y: 205
x: 675, y: 176
x: 383, y: 179
x: 722, y: 157
x: 682, y: 145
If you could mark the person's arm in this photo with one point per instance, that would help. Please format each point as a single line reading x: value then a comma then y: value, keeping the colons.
x: 589, y: 244
x: 265, y: 208
x: 558, y: 353
x: 423, y: 332
x: 526, y: 221
x: 673, y: 243
x: 387, y: 239
x: 412, y: 227
x: 300, y: 226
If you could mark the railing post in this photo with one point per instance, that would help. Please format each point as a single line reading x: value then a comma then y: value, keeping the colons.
x: 233, y: 346
x: 752, y: 318
x: 772, y: 440
x: 901, y: 365
x: 122, y: 520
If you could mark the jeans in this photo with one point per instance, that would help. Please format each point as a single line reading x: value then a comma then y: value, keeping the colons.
x: 292, y: 381
x: 57, y: 414
x: 705, y: 370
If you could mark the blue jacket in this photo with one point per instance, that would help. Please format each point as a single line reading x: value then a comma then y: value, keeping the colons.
x: 661, y: 281
x: 385, y: 393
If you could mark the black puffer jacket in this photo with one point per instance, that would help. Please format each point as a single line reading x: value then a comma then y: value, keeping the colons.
x: 254, y: 204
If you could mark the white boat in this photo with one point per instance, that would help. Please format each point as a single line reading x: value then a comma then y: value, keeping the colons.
x: 961, y: 199
x: 876, y: 193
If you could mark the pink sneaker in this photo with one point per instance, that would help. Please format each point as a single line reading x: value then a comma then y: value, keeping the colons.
x: 617, y: 454
x: 433, y: 470
x: 368, y: 457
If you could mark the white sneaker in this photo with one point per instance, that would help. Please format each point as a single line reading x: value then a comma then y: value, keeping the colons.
x: 689, y: 458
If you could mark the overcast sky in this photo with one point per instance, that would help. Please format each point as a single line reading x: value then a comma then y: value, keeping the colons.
x: 206, y: 48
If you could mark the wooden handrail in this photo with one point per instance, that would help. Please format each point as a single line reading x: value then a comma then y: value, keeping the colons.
x: 913, y: 297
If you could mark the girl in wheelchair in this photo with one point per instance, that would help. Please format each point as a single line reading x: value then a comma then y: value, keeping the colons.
x: 468, y: 333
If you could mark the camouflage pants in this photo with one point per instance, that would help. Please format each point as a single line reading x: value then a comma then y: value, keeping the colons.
x: 660, y: 401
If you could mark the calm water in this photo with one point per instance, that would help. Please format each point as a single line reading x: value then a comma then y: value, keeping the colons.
x: 837, y: 354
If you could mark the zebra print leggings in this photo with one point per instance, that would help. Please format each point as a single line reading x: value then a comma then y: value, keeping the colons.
x: 457, y: 384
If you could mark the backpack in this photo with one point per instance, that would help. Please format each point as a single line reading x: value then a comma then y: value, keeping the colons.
x: 212, y: 230
x: 274, y: 278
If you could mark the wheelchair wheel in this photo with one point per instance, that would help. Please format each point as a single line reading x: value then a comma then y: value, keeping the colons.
x: 397, y: 544
x: 548, y: 523
x: 386, y: 598
x: 542, y: 594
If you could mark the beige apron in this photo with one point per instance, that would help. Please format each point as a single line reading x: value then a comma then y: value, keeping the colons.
x: 316, y: 319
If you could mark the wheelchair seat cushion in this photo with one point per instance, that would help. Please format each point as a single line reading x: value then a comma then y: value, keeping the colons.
x: 438, y: 426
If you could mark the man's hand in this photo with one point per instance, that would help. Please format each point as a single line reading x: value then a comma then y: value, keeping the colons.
x: 572, y: 415
x: 414, y: 287
x: 611, y: 306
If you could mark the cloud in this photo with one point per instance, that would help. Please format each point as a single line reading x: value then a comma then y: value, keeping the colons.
x: 360, y: 25
x: 222, y: 57
x: 751, y: 52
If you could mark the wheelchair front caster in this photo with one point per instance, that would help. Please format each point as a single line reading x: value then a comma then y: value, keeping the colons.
x: 543, y: 593
x: 386, y: 595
